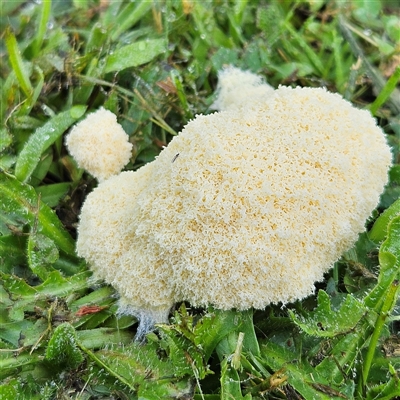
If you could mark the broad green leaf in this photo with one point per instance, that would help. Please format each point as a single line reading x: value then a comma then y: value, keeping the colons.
x: 12, y: 252
x: 11, y: 331
x: 339, y: 362
x: 63, y: 348
x: 379, y: 230
x: 42, y: 168
x: 99, y: 338
x: 103, y: 297
x: 51, y: 194
x: 43, y: 138
x: 17, y: 288
x: 5, y: 139
x: 168, y: 389
x: 99, y: 297
x: 9, y: 364
x: 392, y: 25
x: 98, y: 35
x: 8, y: 7
x: 42, y: 254
x: 135, y: 54
x: 26, y: 298
x: 7, y: 392
x: 127, y: 365
x: 213, y: 327
x: 57, y: 285
x: 230, y: 382
x: 366, y: 10
x: 34, y: 334
x: 326, y: 321
x: 20, y: 205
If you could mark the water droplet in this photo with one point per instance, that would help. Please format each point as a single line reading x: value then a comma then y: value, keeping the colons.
x: 171, y: 17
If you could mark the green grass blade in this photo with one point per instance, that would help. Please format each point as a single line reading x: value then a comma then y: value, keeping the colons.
x: 135, y: 54
x: 8, y: 7
x: 180, y: 91
x: 128, y: 17
x: 376, y: 77
x: 17, y: 63
x: 44, y: 137
x: 42, y: 28
x: 388, y: 303
x: 306, y: 48
x: 386, y: 92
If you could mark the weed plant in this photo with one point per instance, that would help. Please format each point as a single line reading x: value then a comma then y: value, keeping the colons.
x: 155, y: 64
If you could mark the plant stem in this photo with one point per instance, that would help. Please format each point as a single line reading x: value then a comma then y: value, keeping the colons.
x: 380, y: 322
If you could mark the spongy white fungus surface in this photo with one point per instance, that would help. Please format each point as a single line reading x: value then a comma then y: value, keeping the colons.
x: 237, y: 88
x: 242, y: 209
x: 107, y: 240
x: 99, y: 144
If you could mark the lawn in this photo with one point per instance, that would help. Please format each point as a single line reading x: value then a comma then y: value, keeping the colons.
x: 155, y: 65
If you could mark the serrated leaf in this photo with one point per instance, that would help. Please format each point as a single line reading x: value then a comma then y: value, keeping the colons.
x: 140, y: 366
x: 386, y: 391
x: 304, y: 379
x: 43, y: 138
x: 135, y: 54
x: 389, y: 260
x: 63, y: 348
x: 325, y: 321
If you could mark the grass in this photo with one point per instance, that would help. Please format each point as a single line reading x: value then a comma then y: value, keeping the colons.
x: 155, y: 65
